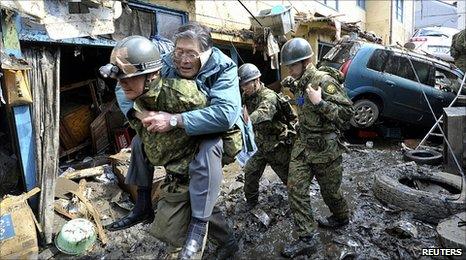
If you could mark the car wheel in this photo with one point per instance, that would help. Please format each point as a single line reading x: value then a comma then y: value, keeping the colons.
x: 398, y: 187
x: 366, y: 113
x: 421, y: 156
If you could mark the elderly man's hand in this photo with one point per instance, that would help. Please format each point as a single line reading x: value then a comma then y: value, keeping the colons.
x: 156, y: 121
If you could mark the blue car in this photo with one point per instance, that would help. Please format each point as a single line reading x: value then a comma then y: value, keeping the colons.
x: 390, y: 83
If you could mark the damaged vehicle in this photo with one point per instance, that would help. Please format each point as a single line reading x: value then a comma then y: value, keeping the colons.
x: 382, y: 83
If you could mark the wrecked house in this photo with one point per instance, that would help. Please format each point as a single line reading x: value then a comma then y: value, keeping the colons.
x: 61, y: 119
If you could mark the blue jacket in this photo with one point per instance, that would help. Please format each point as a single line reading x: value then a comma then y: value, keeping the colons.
x: 218, y: 80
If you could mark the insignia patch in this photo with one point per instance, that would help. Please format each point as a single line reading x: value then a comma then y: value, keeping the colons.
x: 331, y: 89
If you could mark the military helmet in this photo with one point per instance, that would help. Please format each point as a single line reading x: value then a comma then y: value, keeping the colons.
x: 248, y: 72
x: 294, y: 50
x: 133, y: 56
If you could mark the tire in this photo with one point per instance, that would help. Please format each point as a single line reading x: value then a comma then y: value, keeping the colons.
x: 451, y: 235
x: 422, y: 156
x: 426, y: 206
x: 366, y: 113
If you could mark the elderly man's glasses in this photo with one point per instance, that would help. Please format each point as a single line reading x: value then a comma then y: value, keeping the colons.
x: 190, y: 55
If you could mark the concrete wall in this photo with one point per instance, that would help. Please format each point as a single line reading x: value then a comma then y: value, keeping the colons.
x: 461, y: 5
x: 391, y: 30
x: 433, y: 13
x: 378, y: 19
x: 402, y: 31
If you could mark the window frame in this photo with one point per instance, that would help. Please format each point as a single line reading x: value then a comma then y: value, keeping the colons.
x: 361, y: 4
x: 326, y: 3
x: 399, y: 10
x: 155, y: 9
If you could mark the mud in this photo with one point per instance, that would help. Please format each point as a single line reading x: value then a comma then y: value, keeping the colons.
x: 365, y: 236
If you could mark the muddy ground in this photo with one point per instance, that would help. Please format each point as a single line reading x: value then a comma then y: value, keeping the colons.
x: 365, y: 236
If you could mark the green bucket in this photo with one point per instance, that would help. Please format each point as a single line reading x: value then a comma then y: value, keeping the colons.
x: 76, y: 237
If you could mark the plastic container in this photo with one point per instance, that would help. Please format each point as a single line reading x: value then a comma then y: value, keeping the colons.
x: 76, y: 237
x: 279, y: 19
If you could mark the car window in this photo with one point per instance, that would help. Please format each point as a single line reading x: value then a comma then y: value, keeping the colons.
x: 423, y: 72
x: 342, y: 52
x: 430, y: 32
x: 446, y: 80
x: 378, y: 60
x: 400, y: 66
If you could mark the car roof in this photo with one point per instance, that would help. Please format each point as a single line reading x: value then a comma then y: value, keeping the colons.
x: 405, y: 51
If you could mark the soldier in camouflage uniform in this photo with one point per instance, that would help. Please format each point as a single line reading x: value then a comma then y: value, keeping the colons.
x: 274, y: 132
x: 136, y: 63
x: 323, y: 110
x: 458, y: 49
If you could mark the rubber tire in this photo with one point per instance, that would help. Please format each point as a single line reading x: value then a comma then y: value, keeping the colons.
x: 432, y: 157
x: 368, y: 103
x: 426, y: 206
x: 452, y: 236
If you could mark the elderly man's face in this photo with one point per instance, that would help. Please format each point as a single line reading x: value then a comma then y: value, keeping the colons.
x: 186, y: 57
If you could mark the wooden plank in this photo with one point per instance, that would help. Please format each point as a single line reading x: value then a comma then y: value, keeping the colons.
x: 79, y: 174
x: 75, y: 85
x: 75, y: 149
x: 95, y: 215
x: 22, y: 118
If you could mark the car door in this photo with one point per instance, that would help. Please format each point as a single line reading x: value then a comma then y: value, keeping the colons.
x: 400, y: 84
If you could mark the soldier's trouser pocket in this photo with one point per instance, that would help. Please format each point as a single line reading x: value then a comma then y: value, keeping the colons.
x: 172, y: 218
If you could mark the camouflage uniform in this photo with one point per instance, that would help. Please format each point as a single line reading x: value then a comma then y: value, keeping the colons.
x: 458, y: 49
x: 174, y: 150
x: 317, y: 150
x: 273, y: 136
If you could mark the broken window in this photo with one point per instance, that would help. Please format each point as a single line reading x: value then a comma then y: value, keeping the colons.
x: 378, y: 60
x: 148, y: 21
x: 445, y: 80
x: 400, y: 67
x: 423, y: 72
x: 343, y: 52
x: 323, y: 49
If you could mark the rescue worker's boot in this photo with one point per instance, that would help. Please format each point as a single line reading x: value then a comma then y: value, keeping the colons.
x: 227, y: 250
x: 220, y: 231
x: 304, y: 246
x: 196, y: 238
x: 332, y: 222
x: 141, y: 213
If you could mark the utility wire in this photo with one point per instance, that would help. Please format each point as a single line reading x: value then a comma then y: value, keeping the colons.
x: 250, y: 13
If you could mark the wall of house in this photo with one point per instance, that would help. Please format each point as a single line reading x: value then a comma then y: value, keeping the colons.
x: 379, y: 21
x: 435, y: 13
x: 402, y: 31
x: 230, y: 14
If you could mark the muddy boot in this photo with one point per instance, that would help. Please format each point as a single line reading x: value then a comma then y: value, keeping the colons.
x: 141, y: 213
x: 251, y: 204
x: 228, y: 250
x: 193, y: 247
x: 332, y: 222
x: 304, y: 246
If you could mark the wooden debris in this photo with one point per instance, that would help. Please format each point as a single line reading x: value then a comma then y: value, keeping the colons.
x: 95, y: 215
x: 79, y: 174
